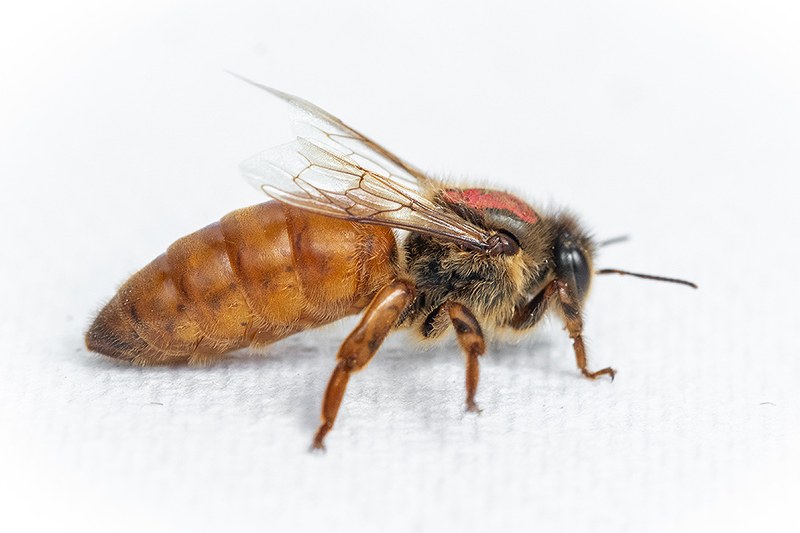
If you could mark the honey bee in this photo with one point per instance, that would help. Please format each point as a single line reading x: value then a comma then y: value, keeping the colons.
x: 327, y: 246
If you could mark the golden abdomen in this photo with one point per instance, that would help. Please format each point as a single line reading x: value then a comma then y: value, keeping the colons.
x: 259, y: 274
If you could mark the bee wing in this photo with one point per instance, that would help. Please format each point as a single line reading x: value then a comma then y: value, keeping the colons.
x: 333, y: 170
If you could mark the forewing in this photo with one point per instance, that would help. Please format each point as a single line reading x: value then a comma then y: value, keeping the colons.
x: 309, y: 175
x: 312, y: 122
x: 333, y: 170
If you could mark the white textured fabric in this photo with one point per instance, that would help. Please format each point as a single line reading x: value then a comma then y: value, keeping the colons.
x: 674, y: 123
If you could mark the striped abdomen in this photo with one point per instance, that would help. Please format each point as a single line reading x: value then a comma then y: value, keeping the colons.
x: 256, y: 276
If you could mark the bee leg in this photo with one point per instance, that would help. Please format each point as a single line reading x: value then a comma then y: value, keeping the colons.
x: 360, y: 346
x: 528, y: 315
x: 470, y: 337
x: 573, y: 321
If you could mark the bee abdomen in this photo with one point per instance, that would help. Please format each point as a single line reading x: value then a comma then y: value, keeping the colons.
x: 258, y: 275
x: 300, y: 270
x: 184, y: 304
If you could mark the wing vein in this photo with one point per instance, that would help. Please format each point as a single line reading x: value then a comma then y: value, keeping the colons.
x: 332, y: 169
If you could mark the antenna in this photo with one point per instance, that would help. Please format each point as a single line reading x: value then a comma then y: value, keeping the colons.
x: 613, y: 240
x: 646, y: 276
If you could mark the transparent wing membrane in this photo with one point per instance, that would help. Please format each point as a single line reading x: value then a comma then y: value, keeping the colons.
x: 333, y: 170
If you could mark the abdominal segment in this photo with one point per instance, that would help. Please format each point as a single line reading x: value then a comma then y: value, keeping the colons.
x: 256, y: 276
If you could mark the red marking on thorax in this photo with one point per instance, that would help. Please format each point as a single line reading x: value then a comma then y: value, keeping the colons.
x: 482, y: 199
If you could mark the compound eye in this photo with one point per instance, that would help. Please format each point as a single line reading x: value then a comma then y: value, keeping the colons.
x: 571, y: 264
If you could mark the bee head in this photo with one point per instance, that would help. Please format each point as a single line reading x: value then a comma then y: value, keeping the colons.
x: 573, y: 263
x: 572, y: 252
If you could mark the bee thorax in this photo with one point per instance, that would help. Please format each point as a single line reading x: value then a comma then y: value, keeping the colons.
x: 489, y: 285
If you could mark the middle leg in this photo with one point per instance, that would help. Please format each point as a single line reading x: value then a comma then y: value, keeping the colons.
x: 470, y: 337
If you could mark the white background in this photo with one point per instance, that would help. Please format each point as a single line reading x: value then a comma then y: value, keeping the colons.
x: 673, y: 122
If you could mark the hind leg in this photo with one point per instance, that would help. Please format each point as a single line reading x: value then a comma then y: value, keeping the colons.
x: 360, y: 346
